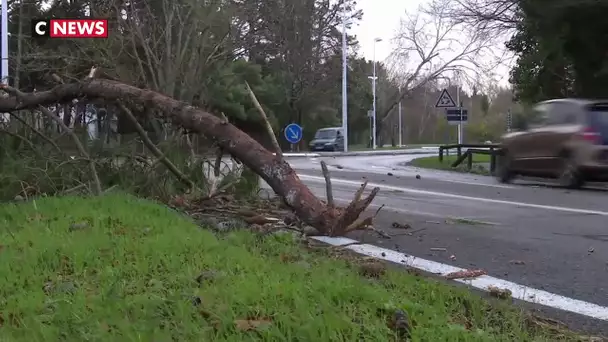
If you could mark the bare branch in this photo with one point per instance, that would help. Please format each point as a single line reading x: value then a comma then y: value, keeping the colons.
x: 37, y: 132
x: 431, y: 44
x: 258, y: 106
x: 20, y: 95
x: 494, y: 17
x: 158, y: 153
x: 328, y: 187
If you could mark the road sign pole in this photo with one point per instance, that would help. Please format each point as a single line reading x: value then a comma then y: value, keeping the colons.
x: 344, y: 82
x: 400, y: 124
x: 4, y: 47
x: 370, y: 115
x: 460, y: 112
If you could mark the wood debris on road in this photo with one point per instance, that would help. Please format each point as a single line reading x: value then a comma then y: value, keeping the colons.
x: 466, y: 274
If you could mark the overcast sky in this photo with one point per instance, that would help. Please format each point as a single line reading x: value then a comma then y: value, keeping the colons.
x: 381, y: 18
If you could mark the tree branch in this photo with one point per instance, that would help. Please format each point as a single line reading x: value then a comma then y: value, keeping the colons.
x: 20, y: 96
x: 158, y: 153
x: 328, y: 187
x: 37, y: 132
x: 258, y: 106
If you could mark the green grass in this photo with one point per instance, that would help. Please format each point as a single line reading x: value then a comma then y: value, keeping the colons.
x: 434, y: 163
x: 118, y: 268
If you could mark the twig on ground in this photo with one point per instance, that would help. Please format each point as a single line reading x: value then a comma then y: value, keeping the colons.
x: 258, y: 106
x: 328, y: 187
x: 380, y: 232
x: 157, y: 153
x: 417, y: 230
x: 348, y: 244
x: 377, y: 211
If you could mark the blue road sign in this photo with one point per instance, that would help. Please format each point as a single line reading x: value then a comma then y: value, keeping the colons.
x: 293, y: 133
x: 453, y: 115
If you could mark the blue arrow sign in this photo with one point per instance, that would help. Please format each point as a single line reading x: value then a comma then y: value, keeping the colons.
x: 293, y: 133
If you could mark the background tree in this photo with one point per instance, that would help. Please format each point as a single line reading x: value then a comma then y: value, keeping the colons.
x: 431, y: 45
x: 554, y: 42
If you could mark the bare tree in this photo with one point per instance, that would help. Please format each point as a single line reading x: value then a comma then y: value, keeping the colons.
x: 493, y: 17
x: 173, y: 46
x: 430, y: 44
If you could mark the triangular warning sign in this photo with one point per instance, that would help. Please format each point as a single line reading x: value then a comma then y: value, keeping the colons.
x: 445, y: 100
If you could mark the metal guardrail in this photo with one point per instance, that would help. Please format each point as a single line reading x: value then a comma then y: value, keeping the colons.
x: 493, y: 150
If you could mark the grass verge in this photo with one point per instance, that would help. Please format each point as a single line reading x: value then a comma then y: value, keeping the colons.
x: 118, y: 268
x: 434, y: 163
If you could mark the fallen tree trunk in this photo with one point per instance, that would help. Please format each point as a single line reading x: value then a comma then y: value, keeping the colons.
x: 329, y: 220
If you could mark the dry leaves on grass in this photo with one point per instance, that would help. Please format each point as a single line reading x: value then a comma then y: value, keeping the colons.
x: 372, y: 269
x: 499, y: 293
x: 252, y: 324
x: 289, y: 258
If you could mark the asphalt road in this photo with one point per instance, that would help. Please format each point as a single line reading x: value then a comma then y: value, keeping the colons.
x: 530, y: 232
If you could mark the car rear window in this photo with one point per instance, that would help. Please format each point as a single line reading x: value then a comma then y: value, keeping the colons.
x: 598, y: 118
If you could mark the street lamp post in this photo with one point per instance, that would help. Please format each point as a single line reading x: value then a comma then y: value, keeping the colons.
x: 344, y: 83
x: 372, y: 117
x: 374, y: 144
x: 400, y: 122
x: 4, y: 47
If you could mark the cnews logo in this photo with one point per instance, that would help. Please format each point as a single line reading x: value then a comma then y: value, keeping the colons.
x: 70, y: 28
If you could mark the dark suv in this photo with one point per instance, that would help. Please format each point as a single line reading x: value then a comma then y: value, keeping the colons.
x: 566, y: 139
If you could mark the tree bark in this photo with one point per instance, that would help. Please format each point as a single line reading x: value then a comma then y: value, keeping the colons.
x: 275, y: 171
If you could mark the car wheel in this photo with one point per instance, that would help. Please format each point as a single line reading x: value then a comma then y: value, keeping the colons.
x: 569, y: 175
x: 504, y: 170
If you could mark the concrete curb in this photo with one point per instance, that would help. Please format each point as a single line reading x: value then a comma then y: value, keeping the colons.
x: 414, y: 150
x: 375, y: 153
x: 300, y: 155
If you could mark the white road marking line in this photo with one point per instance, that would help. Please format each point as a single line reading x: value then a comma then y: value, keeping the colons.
x: 300, y: 154
x: 518, y: 291
x: 462, y: 197
x: 397, y: 172
x: 474, y: 183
